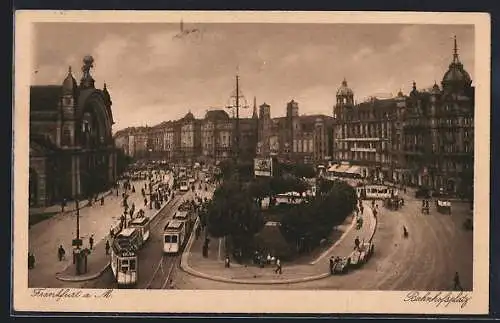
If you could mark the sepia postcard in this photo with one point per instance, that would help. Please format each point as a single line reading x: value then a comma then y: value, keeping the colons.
x: 251, y: 162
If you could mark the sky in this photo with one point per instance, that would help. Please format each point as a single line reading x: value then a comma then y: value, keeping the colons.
x: 153, y: 76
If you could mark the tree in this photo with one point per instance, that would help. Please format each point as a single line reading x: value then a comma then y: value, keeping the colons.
x: 232, y: 213
x: 307, y: 225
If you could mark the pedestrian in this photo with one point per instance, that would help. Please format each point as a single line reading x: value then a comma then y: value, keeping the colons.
x: 278, y: 266
x: 63, y: 205
x: 111, y: 232
x: 145, y: 202
x: 356, y: 243
x: 227, y: 262
x: 107, y: 247
x: 171, y: 284
x: 133, y: 189
x: 91, y: 241
x: 61, y: 252
x: 456, y: 282
x: 331, y: 265
x: 102, y: 200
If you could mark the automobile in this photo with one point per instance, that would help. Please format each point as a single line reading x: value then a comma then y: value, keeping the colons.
x: 443, y: 206
x: 341, y: 265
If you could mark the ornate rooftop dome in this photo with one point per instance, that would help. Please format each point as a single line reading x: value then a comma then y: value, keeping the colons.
x: 456, y: 74
x: 69, y: 84
x: 344, y: 90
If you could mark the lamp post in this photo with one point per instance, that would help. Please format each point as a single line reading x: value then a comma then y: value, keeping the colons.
x: 77, y: 242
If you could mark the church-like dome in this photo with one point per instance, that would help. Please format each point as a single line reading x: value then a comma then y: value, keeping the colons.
x: 456, y: 75
x: 344, y: 90
x: 69, y: 84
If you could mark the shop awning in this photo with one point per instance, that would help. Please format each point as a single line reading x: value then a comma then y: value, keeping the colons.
x: 354, y: 170
x: 333, y: 168
x: 342, y: 169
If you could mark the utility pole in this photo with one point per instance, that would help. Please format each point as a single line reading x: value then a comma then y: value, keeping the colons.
x: 238, y: 97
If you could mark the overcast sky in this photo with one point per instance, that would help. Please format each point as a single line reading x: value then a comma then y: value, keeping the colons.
x: 153, y: 76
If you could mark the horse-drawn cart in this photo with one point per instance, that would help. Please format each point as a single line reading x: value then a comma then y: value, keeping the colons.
x: 361, y: 254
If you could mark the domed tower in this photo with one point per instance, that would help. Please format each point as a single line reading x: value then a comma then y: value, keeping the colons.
x: 87, y: 81
x: 456, y: 79
x: 345, y: 99
x: 69, y: 94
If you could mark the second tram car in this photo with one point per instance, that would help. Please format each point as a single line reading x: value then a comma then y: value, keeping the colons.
x: 143, y: 225
x: 377, y: 192
x: 174, y: 235
x: 124, y: 259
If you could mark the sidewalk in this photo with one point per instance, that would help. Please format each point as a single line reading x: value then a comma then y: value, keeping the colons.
x: 98, y: 261
x: 96, y: 220
x: 212, y: 268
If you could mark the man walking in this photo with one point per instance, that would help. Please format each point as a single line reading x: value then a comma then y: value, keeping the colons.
x: 278, y: 266
x: 60, y: 253
x: 331, y: 265
x: 107, y: 247
x: 91, y: 242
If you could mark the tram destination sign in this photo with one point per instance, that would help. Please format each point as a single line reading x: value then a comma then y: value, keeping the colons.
x: 77, y: 242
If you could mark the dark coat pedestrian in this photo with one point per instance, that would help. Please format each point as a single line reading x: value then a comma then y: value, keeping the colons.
x: 91, y: 242
x: 107, y: 247
x: 331, y: 265
x: 102, y: 200
x: 61, y: 253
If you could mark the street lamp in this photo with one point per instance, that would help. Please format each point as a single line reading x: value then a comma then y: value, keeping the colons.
x: 77, y: 242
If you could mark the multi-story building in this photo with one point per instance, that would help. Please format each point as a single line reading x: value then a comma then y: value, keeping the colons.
x: 362, y: 134
x: 425, y: 138
x: 294, y: 138
x: 72, y: 153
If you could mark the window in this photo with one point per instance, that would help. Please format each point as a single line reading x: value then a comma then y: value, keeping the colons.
x: 174, y: 239
x: 167, y: 239
x: 132, y: 264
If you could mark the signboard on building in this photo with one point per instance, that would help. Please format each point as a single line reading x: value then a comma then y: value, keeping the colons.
x: 263, y: 166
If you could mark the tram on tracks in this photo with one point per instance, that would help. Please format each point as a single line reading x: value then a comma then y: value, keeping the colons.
x: 174, y: 235
x: 124, y: 258
x: 143, y: 226
x: 376, y: 192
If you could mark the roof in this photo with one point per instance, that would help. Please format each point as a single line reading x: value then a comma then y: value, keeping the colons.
x: 214, y: 115
x: 181, y: 215
x: 127, y: 232
x: 173, y: 225
x: 139, y: 221
x: 45, y: 97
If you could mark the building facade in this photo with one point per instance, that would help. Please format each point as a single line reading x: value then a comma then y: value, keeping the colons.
x: 295, y: 138
x: 425, y: 138
x: 72, y: 151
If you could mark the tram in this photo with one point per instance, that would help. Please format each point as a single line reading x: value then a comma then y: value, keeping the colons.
x: 184, y: 187
x: 378, y: 192
x: 174, y: 235
x: 143, y: 225
x: 124, y: 258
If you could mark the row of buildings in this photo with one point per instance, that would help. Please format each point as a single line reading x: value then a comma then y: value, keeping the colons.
x: 425, y: 137
x: 213, y: 138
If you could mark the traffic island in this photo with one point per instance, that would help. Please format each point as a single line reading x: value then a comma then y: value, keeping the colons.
x: 212, y: 267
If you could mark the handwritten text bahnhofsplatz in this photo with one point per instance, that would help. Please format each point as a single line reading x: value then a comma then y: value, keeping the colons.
x: 67, y: 293
x: 439, y: 298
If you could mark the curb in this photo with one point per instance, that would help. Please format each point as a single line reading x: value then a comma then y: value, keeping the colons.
x: 186, y: 268
x: 342, y: 237
x: 82, y: 278
x: 99, y: 273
